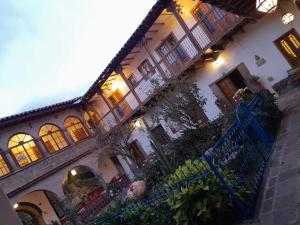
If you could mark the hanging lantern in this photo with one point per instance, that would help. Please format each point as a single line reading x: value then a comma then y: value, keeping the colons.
x: 287, y: 18
x: 266, y: 6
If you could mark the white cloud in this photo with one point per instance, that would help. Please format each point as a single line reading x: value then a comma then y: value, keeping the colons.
x: 58, y: 47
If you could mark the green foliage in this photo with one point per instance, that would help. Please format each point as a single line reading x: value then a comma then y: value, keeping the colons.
x: 152, y: 173
x: 270, y: 116
x: 202, y: 202
x: 161, y: 214
x: 194, y: 142
x: 178, y: 102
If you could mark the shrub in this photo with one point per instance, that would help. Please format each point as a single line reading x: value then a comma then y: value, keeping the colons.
x: 194, y: 142
x: 161, y: 214
x: 201, y: 202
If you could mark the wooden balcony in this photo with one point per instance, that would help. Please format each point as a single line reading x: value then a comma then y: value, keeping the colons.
x: 206, y: 32
x: 175, y: 58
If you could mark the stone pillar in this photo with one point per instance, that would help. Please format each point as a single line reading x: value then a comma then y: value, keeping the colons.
x: 7, y: 214
x: 13, y: 164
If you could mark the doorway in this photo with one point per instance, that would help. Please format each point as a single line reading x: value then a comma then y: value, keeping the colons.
x: 231, y: 83
x: 137, y: 152
x: 289, y: 46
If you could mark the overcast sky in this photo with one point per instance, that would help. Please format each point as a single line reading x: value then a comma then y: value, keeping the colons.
x: 53, y: 50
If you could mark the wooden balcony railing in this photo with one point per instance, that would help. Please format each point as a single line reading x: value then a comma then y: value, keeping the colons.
x: 213, y: 26
x: 206, y: 32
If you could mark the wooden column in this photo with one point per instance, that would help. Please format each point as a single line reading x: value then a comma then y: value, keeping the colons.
x: 120, y: 71
x: 163, y: 74
x: 110, y: 108
x: 172, y: 8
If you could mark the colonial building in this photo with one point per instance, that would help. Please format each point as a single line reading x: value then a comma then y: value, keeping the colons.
x: 223, y: 51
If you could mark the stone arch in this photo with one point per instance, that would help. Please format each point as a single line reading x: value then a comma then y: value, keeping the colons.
x: 75, y: 128
x: 80, y: 179
x: 33, y: 212
x: 24, y: 148
x: 48, y: 203
x: 52, y: 137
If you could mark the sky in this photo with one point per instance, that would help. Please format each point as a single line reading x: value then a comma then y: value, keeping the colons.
x: 53, y: 50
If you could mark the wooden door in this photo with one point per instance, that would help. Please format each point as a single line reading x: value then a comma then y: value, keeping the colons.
x: 289, y: 45
x: 137, y: 152
x: 228, y: 88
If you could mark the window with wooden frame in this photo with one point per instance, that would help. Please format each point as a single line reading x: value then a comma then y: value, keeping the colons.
x: 91, y: 117
x: 75, y: 129
x: 201, y: 13
x: 24, y: 149
x: 289, y: 45
x: 172, y: 53
x: 52, y: 138
x: 146, y: 69
x: 219, y: 14
x: 4, y: 168
x: 132, y: 80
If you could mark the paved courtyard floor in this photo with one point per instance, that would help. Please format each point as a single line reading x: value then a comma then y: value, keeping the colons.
x: 280, y: 199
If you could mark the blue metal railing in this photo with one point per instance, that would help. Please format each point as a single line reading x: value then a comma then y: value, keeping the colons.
x: 243, y: 151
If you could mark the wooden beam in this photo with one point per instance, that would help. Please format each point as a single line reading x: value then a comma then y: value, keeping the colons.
x: 128, y: 59
x: 158, y: 24
x: 217, y: 48
x: 152, y: 31
x: 125, y: 64
x: 134, y: 52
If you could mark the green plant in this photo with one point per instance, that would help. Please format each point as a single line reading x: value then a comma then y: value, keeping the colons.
x: 201, y: 202
x: 161, y: 214
x: 193, y: 143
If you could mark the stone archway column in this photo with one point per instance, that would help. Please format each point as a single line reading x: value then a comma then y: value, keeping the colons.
x: 7, y: 214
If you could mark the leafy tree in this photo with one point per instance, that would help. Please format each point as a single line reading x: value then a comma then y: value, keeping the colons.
x: 179, y: 102
x: 117, y: 142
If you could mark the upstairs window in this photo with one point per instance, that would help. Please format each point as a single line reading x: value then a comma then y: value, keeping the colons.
x: 219, y: 13
x: 201, y: 13
x: 75, y: 129
x: 52, y: 138
x: 146, y: 69
x: 4, y: 169
x: 91, y: 117
x: 132, y: 80
x: 24, y: 149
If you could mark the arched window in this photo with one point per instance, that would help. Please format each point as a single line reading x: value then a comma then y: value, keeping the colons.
x: 52, y: 138
x: 75, y: 129
x: 4, y: 169
x: 91, y: 117
x: 24, y: 149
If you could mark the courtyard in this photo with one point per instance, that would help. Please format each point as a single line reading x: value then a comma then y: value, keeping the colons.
x: 193, y: 121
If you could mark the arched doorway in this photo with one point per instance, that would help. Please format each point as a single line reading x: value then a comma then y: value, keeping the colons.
x: 40, y: 206
x: 80, y: 180
x: 30, y: 214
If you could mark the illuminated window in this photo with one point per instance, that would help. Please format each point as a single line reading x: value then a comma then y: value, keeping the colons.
x: 24, y: 149
x: 52, y: 138
x: 91, y: 117
x: 75, y: 129
x: 3, y: 167
x: 146, y: 69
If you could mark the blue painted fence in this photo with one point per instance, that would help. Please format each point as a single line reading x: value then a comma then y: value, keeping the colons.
x: 243, y: 150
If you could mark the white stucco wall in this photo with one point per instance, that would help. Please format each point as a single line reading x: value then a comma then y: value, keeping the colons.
x: 39, y: 199
x: 257, y: 40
